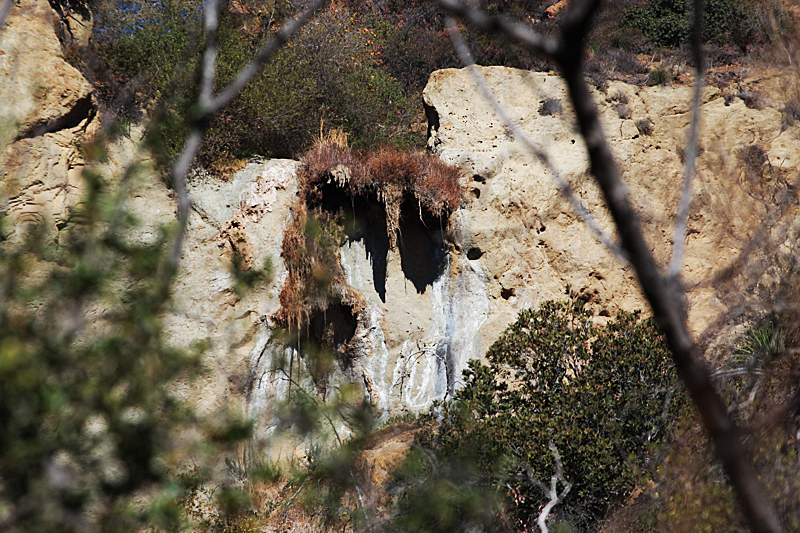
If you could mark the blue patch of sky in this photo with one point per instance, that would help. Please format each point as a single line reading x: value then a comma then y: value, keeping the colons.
x: 134, y: 16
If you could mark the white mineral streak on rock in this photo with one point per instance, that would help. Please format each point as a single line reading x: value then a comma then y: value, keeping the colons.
x: 515, y: 241
x: 376, y: 361
x: 441, y: 328
x: 259, y: 197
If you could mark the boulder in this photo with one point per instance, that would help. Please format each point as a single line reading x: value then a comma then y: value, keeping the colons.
x: 46, y: 109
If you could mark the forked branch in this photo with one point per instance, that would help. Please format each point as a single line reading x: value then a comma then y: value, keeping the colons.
x: 551, y: 491
x: 664, y: 293
x: 207, y: 104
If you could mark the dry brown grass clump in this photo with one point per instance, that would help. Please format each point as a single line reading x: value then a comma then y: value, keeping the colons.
x: 315, y: 278
x: 433, y: 182
x: 334, y: 177
x: 389, y: 174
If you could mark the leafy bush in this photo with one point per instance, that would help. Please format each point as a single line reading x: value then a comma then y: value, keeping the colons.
x: 87, y: 376
x: 330, y: 73
x: 668, y: 22
x: 603, y: 395
x: 690, y: 491
x: 410, y: 52
x: 664, y: 22
x: 95, y: 433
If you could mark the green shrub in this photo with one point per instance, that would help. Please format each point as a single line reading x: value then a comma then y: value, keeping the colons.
x: 330, y: 73
x: 668, y: 22
x: 603, y: 395
x: 664, y: 22
x: 659, y: 76
x: 690, y: 491
x: 87, y: 376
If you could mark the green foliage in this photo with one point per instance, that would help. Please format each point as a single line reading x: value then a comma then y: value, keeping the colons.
x: 760, y: 343
x: 605, y: 396
x: 330, y: 73
x: 151, y: 50
x: 442, y: 494
x: 669, y: 22
x: 664, y: 22
x: 659, y: 76
x: 85, y: 374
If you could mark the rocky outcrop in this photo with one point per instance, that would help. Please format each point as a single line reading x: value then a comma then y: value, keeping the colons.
x: 516, y: 242
x: 46, y: 107
x: 512, y: 244
x: 518, y: 229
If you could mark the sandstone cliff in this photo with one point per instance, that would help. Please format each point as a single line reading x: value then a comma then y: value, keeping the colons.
x: 531, y: 243
x: 46, y: 106
x: 514, y: 243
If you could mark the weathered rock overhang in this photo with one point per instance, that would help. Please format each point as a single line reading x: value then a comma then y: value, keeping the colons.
x: 388, y: 201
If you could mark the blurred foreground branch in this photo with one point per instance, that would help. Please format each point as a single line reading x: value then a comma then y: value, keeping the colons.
x: 664, y: 292
x: 207, y: 104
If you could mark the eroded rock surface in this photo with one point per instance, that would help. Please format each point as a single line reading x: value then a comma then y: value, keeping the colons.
x: 531, y: 244
x: 514, y: 243
x: 46, y: 106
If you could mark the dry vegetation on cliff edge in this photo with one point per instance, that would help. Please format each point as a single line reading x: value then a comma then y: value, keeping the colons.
x: 311, y: 243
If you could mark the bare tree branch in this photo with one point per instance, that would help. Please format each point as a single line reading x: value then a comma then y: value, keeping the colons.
x: 563, y: 185
x: 665, y: 294
x: 207, y: 105
x: 552, y: 491
x: 679, y: 238
x: 209, y: 65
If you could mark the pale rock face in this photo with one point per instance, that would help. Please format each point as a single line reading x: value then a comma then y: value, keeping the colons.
x: 206, y: 305
x: 417, y: 343
x: 41, y: 91
x: 45, y: 105
x: 513, y: 244
x: 531, y: 243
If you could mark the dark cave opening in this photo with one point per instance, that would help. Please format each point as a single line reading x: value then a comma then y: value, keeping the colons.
x: 474, y: 253
x: 423, y: 249
x: 363, y: 219
x: 421, y: 237
x: 333, y: 326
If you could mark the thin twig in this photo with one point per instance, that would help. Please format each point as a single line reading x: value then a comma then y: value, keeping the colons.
x: 209, y: 65
x: 4, y: 11
x: 679, y: 236
x: 563, y: 185
x: 291, y: 500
